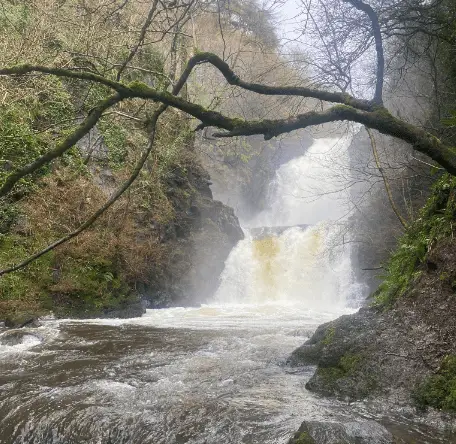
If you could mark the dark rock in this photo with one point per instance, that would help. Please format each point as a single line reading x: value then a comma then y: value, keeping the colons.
x: 16, y: 337
x: 197, y: 243
x: 21, y: 320
x: 134, y: 310
x: 388, y: 351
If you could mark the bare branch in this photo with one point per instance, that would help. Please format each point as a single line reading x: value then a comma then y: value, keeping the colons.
x: 385, y: 179
x: 141, y: 38
x: 361, y: 6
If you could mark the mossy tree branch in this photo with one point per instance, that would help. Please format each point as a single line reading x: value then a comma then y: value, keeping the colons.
x: 152, y: 124
x: 360, y: 111
x: 88, y: 123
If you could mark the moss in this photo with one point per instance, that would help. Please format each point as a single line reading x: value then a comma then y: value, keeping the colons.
x: 140, y: 87
x: 439, y: 390
x: 329, y: 336
x: 435, y: 223
x: 303, y: 438
x: 348, y: 364
x: 115, y: 138
x: 330, y: 375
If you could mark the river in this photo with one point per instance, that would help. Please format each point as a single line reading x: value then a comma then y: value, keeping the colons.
x: 209, y: 374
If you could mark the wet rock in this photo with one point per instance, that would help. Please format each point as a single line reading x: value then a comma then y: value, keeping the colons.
x: 133, y: 310
x: 388, y: 352
x: 359, y: 432
x: 17, y: 337
x: 22, y: 320
x: 197, y: 243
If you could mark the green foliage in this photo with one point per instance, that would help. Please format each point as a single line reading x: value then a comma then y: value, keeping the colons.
x: 435, y: 223
x: 115, y: 138
x: 87, y: 285
x: 27, y: 128
x: 439, y: 390
x: 14, y: 16
x: 19, y: 144
x: 51, y: 105
x: 9, y: 213
x: 24, y: 289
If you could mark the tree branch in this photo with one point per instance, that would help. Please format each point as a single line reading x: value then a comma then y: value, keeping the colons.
x: 142, y: 36
x: 119, y: 192
x: 88, y: 123
x: 101, y: 210
x: 361, y: 6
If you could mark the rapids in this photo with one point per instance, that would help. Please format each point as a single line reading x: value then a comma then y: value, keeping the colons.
x: 209, y: 374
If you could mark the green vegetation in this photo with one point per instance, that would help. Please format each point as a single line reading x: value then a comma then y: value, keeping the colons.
x: 439, y: 390
x: 329, y: 336
x: 27, y: 127
x: 434, y: 224
x: 347, y: 365
x: 303, y: 438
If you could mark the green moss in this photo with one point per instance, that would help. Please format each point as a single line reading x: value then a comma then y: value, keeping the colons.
x: 347, y: 365
x: 434, y: 223
x: 140, y: 87
x: 350, y: 363
x: 115, y: 138
x: 329, y: 336
x: 330, y: 375
x: 439, y: 390
x: 304, y: 438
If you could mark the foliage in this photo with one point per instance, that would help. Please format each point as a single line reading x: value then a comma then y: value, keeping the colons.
x: 28, y: 126
x: 115, y: 138
x: 439, y: 390
x: 435, y: 223
x: 14, y: 16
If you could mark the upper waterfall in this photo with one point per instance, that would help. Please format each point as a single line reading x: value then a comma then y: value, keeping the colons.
x: 307, y: 263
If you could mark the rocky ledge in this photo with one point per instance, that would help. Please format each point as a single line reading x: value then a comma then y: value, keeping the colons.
x: 404, y: 353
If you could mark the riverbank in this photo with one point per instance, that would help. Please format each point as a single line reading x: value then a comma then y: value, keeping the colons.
x: 401, y: 347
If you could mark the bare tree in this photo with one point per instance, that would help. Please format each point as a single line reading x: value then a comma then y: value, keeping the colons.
x: 342, y: 103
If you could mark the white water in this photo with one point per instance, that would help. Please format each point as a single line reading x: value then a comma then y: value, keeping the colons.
x: 205, y: 374
x: 306, y: 268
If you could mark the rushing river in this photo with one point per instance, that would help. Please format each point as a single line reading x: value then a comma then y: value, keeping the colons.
x: 205, y: 375
x: 197, y: 375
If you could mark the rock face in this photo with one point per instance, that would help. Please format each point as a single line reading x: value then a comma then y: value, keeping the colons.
x: 243, y: 179
x: 198, y: 242
x: 388, y: 352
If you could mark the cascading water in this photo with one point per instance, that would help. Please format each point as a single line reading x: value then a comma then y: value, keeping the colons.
x: 306, y: 265
x: 206, y: 374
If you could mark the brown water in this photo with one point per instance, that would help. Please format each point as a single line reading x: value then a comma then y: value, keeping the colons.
x: 207, y: 375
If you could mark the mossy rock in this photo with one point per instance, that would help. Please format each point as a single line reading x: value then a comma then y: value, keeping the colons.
x: 439, y: 390
x: 302, y: 438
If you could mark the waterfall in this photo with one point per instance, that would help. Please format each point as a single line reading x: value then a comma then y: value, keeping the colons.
x: 307, y: 264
